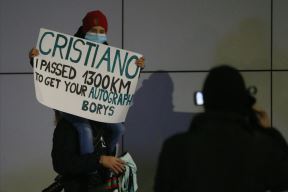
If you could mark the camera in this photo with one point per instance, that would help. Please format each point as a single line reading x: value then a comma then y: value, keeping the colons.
x: 198, y: 98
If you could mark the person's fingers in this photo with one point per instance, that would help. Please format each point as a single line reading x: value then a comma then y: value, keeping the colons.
x: 119, y: 165
x: 35, y: 50
x: 120, y: 161
x: 114, y: 164
x: 119, y: 168
x: 140, y: 60
x: 140, y: 64
x: 114, y: 170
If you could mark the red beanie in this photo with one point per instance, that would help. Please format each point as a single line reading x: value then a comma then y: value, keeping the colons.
x: 94, y: 18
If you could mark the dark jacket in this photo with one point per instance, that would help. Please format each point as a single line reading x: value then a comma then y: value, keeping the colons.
x: 223, y: 152
x: 67, y: 161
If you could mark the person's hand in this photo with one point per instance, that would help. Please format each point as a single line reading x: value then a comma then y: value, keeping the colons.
x: 113, y: 163
x: 33, y: 53
x: 140, y: 62
x: 263, y: 118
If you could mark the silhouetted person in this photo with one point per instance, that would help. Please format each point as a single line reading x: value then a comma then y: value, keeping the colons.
x: 230, y: 147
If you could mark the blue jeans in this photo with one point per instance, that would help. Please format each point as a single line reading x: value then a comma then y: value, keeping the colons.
x: 112, y: 135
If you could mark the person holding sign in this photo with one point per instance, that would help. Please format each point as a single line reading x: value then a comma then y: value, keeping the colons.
x: 90, y: 160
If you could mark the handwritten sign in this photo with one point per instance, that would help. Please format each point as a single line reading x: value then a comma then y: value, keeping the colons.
x: 84, y: 78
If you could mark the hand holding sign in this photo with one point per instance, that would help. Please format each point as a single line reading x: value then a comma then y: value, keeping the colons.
x: 140, y: 62
x: 33, y: 53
